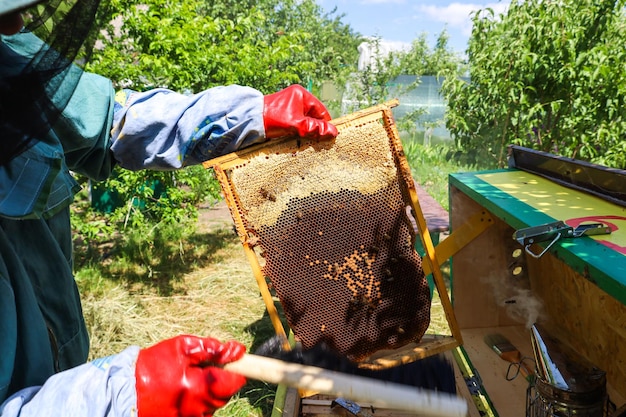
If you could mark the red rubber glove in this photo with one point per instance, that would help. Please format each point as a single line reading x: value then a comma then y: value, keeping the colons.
x: 181, y: 377
x: 295, y: 111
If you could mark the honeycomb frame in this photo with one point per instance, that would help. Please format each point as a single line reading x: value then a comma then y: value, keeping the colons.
x: 254, y: 207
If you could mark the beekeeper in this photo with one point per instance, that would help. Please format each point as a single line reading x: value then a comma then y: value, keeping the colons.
x: 55, y: 118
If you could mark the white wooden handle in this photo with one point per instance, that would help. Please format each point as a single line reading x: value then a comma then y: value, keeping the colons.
x: 381, y: 394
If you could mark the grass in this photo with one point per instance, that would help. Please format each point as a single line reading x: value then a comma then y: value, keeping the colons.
x: 431, y: 165
x: 207, y: 288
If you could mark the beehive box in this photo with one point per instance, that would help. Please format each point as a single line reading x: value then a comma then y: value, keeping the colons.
x: 576, y: 290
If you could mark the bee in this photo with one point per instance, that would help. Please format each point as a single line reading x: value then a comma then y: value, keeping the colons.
x: 388, y: 275
x: 355, y: 303
x: 267, y: 194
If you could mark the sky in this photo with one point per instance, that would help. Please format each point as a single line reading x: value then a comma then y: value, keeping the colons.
x: 402, y: 21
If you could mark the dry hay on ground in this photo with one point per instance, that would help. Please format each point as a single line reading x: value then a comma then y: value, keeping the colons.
x: 221, y: 300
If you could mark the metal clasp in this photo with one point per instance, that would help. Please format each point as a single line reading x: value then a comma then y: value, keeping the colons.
x: 352, y: 407
x: 555, y: 231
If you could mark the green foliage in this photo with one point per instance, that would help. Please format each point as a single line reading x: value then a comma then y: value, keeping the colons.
x: 90, y: 229
x: 160, y: 196
x: 170, y: 44
x: 146, y: 259
x: 373, y: 84
x: 547, y: 75
x: 431, y: 165
x: 154, y: 217
x: 193, y: 45
x: 421, y: 60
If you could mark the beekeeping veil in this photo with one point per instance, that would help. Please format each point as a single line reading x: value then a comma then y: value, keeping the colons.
x: 35, y: 88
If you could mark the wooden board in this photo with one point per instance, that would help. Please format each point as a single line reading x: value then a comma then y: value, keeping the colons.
x: 523, y: 200
x: 477, y: 297
x: 582, y: 315
x: 508, y: 397
x: 563, y: 203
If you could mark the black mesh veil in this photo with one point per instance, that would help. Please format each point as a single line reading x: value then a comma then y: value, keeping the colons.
x: 30, y: 99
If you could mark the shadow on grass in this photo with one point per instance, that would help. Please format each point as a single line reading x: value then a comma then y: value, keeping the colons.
x: 157, y: 264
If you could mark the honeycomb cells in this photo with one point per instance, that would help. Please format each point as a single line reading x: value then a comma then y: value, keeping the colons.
x: 330, y: 221
x: 346, y: 273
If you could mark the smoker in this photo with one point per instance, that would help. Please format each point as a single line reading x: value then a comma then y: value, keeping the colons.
x: 566, y: 384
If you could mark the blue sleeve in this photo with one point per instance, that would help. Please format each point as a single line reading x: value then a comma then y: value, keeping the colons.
x: 104, y: 387
x: 163, y: 130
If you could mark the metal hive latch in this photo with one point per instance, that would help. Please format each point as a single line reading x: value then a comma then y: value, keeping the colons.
x: 553, y: 232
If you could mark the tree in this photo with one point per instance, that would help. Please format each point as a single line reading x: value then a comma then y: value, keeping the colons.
x: 421, y: 60
x: 548, y: 75
x: 371, y: 85
x: 193, y: 45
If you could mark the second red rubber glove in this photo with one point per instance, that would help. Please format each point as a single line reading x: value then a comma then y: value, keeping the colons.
x: 181, y: 377
x: 295, y: 111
